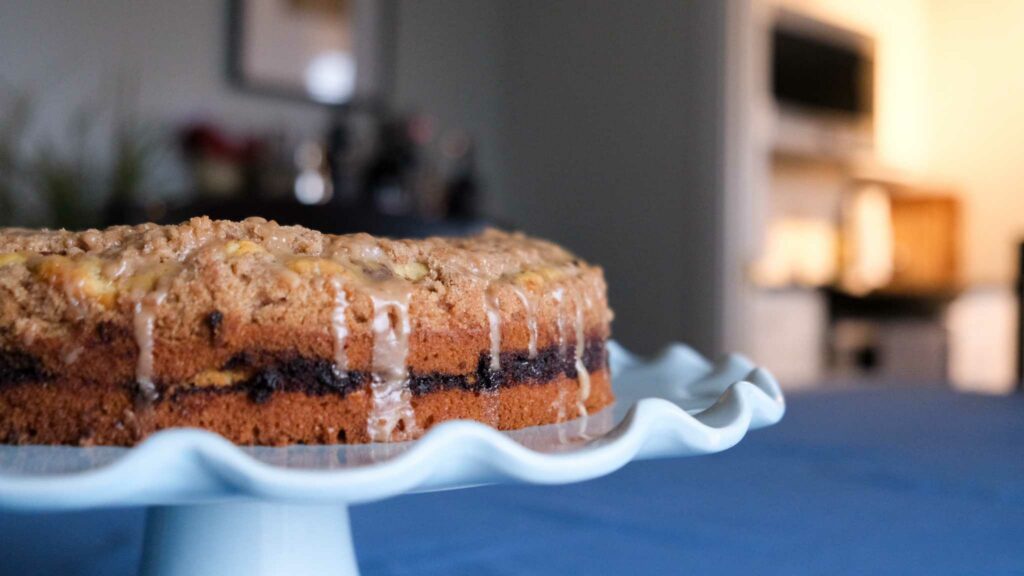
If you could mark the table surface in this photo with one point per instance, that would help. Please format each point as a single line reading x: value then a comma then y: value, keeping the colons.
x: 894, y: 481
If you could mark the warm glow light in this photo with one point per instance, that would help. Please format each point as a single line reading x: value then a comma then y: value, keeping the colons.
x: 331, y: 77
x: 798, y: 251
x: 310, y: 187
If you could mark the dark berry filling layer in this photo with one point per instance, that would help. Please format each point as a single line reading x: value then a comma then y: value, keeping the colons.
x: 273, y: 372
x: 316, y: 376
x: 18, y: 367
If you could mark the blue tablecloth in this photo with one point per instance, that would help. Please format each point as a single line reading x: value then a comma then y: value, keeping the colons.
x: 906, y: 481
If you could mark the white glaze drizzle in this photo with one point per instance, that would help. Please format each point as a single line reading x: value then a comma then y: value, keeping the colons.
x: 494, y: 325
x: 363, y: 248
x: 560, y: 403
x: 28, y: 329
x: 71, y: 355
x: 339, y: 327
x: 144, y: 324
x: 581, y: 371
x: 79, y: 303
x: 491, y: 400
x: 563, y: 348
x: 392, y: 398
x: 531, y: 317
x: 559, y: 296
x: 275, y: 238
x: 491, y: 406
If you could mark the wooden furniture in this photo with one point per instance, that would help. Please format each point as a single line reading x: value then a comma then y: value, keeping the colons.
x: 926, y: 245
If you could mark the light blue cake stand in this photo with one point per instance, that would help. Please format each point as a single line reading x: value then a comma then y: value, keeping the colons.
x: 215, y: 508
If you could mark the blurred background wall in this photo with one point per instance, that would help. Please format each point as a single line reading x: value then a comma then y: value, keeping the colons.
x: 623, y: 162
x: 877, y: 244
x: 66, y: 55
x: 977, y: 124
x: 575, y: 142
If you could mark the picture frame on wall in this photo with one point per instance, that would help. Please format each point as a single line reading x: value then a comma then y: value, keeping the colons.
x: 328, y: 52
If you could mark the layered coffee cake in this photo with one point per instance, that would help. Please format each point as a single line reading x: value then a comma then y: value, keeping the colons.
x: 273, y: 334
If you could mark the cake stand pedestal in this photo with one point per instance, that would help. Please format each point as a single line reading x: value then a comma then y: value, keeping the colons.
x: 253, y: 538
x: 215, y: 508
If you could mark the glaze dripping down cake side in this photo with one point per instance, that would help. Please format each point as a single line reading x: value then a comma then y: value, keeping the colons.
x: 273, y: 334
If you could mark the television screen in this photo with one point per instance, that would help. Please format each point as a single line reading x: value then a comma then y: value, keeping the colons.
x: 811, y: 73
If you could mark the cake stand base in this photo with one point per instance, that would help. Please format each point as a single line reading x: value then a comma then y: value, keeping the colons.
x: 253, y: 538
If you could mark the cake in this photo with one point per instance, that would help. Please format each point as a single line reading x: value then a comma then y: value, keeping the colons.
x: 273, y: 335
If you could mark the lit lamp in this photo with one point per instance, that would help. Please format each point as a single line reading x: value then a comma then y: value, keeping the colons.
x: 867, y: 241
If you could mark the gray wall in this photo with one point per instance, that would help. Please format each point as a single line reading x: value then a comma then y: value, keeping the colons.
x: 613, y: 128
x: 600, y: 126
x: 70, y: 56
x: 70, y: 53
x: 447, y: 64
